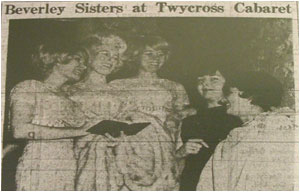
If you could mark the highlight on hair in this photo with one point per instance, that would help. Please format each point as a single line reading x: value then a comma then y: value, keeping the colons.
x: 93, y: 41
x: 134, y: 53
x: 47, y: 55
x: 155, y: 42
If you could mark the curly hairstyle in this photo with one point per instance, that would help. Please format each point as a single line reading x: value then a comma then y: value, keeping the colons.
x: 135, y: 52
x: 47, y: 55
x: 92, y: 41
x: 263, y: 89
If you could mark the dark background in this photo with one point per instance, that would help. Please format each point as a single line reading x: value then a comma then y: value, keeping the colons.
x: 196, y: 44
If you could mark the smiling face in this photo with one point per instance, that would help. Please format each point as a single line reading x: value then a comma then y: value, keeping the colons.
x: 152, y: 59
x: 73, y: 67
x: 210, y: 87
x: 107, y: 56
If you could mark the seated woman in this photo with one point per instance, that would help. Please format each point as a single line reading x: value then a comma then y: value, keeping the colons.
x: 152, y: 159
x: 212, y: 124
x: 259, y: 155
x: 41, y: 114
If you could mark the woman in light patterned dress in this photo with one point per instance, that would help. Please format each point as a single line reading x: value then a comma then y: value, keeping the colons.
x: 260, y: 155
x: 41, y: 114
x: 152, y: 159
x: 99, y: 101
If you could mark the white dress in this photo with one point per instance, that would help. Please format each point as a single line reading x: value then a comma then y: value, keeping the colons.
x: 261, y: 155
x: 100, y: 103
x: 47, y: 164
x: 145, y: 161
x: 149, y: 162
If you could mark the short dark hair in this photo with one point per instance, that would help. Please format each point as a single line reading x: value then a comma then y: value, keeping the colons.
x: 192, y: 87
x: 263, y: 89
x: 212, y: 68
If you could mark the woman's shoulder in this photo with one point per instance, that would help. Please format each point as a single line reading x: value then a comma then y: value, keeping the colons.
x: 27, y: 86
x: 281, y: 123
x: 259, y: 138
x: 276, y: 119
x: 26, y: 91
x: 172, y: 85
x: 267, y: 126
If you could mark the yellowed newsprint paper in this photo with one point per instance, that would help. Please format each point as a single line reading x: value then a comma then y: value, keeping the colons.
x: 158, y: 96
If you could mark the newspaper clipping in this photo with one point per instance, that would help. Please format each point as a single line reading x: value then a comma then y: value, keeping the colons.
x: 158, y: 96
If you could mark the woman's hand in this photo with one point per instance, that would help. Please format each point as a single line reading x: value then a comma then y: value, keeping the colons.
x: 112, y: 141
x: 184, y: 113
x: 192, y: 146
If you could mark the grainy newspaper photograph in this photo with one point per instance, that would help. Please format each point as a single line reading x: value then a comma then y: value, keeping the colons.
x: 149, y: 96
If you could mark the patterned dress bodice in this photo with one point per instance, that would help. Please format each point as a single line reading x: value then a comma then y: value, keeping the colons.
x: 47, y: 164
x: 100, y: 104
x: 155, y: 97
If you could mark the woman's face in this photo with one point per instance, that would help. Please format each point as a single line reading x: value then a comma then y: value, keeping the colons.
x: 152, y: 60
x: 74, y: 68
x: 210, y: 87
x: 107, y: 56
x: 237, y: 105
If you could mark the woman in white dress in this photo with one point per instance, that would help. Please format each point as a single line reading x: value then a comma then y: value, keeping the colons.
x: 48, y: 120
x: 260, y: 155
x: 99, y: 101
x: 152, y: 159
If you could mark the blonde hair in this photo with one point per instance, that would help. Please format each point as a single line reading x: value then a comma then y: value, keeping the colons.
x: 47, y: 55
x: 155, y: 42
x: 91, y: 42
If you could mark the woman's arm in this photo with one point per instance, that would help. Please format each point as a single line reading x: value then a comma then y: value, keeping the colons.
x: 22, y: 110
x: 30, y: 131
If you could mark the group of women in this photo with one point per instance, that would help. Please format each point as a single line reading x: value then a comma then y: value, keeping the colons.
x: 54, y: 114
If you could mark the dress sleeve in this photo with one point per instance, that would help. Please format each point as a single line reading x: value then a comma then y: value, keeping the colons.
x: 22, y: 102
x: 24, y: 91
